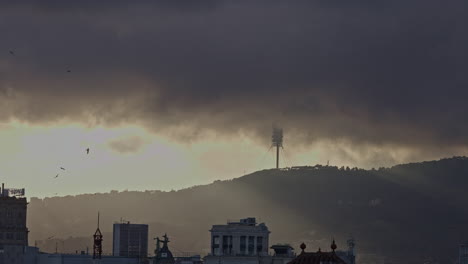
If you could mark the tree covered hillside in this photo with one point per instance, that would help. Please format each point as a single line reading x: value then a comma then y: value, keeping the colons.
x: 408, y: 212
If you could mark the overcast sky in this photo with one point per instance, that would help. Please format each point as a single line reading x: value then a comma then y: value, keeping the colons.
x: 169, y: 94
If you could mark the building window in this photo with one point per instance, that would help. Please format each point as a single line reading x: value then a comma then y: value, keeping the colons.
x: 216, y: 241
x: 225, y: 245
x: 9, y: 236
x: 243, y: 244
x: 215, y: 245
x: 251, y: 245
x: 259, y: 244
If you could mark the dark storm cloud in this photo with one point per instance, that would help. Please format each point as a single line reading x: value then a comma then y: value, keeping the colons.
x: 381, y: 72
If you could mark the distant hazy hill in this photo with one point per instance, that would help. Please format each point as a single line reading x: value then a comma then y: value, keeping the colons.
x: 407, y: 212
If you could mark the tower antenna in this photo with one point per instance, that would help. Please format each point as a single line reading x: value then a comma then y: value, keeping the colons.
x: 97, y: 247
x: 277, y: 141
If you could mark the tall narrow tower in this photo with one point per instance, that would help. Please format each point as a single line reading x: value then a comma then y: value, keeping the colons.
x: 277, y: 141
x: 97, y: 248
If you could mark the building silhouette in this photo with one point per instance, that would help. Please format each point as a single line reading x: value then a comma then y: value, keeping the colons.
x: 349, y: 256
x: 245, y: 237
x: 13, y: 230
x: 14, y: 247
x: 194, y: 259
x: 162, y: 254
x: 283, y: 250
x: 245, y: 242
x: 318, y: 257
x: 130, y: 240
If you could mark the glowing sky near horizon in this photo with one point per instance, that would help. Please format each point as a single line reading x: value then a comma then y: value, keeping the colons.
x: 132, y: 158
x: 120, y: 158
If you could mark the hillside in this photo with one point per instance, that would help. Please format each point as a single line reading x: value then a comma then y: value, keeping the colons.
x: 406, y: 213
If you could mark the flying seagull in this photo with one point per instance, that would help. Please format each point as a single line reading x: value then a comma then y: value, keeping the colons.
x: 87, y: 151
x: 50, y: 237
x: 62, y: 168
x: 12, y: 53
x: 68, y: 70
x: 56, y: 176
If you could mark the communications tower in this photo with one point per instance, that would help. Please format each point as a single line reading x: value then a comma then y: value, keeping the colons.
x: 97, y: 248
x: 277, y: 141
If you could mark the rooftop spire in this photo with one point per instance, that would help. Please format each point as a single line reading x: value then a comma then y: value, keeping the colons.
x: 333, y: 245
x: 303, y: 246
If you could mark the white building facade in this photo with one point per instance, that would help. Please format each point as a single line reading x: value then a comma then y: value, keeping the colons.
x: 243, y: 238
x: 244, y: 242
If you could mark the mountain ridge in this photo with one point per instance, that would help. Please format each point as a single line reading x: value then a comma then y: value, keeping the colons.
x: 384, y: 209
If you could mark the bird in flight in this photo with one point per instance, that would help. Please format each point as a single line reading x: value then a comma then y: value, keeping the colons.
x: 68, y: 70
x: 62, y: 168
x: 56, y: 176
x: 50, y: 237
x: 12, y: 53
x: 87, y: 151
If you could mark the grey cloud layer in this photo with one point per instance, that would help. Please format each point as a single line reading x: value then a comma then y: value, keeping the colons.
x: 390, y: 72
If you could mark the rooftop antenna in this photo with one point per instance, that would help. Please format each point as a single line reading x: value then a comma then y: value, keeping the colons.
x: 97, y: 247
x: 277, y: 141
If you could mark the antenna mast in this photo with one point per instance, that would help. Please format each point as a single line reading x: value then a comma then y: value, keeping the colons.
x: 97, y: 248
x: 277, y: 141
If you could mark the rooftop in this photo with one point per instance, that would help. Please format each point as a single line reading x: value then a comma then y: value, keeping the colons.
x: 246, y: 224
x: 249, y: 221
x: 317, y: 257
x: 11, y: 192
